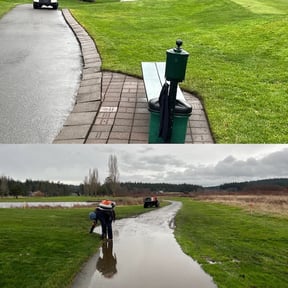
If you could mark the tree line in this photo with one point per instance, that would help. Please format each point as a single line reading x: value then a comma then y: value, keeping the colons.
x: 250, y: 185
x: 15, y: 188
x: 91, y: 185
x: 160, y: 187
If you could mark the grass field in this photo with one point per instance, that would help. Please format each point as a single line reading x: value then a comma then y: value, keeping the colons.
x: 46, y: 247
x: 237, y: 62
x: 237, y: 248
x: 238, y: 55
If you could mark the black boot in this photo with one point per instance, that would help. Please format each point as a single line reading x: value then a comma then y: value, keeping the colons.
x: 103, y: 236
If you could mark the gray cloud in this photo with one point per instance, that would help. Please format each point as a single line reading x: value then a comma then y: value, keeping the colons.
x: 197, y: 164
x: 233, y: 169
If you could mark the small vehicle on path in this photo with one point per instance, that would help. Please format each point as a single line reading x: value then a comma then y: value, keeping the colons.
x: 39, y: 3
x: 150, y: 202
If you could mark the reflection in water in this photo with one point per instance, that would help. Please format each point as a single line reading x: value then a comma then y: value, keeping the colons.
x: 107, y: 264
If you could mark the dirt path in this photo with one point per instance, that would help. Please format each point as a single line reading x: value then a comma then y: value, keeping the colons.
x: 144, y: 253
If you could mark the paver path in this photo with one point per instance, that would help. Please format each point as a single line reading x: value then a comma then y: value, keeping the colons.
x: 112, y: 107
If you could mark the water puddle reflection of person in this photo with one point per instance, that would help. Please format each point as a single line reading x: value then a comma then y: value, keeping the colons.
x: 106, y: 264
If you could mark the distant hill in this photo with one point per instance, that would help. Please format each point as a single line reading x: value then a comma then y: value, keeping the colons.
x: 263, y: 184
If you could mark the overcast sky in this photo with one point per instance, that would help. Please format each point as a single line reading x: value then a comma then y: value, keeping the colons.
x: 196, y: 164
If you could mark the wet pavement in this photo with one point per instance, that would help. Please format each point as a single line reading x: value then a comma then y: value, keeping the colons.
x: 144, y: 253
x: 40, y: 67
x: 112, y: 107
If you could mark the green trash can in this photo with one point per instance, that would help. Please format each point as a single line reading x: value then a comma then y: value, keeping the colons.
x: 181, y: 115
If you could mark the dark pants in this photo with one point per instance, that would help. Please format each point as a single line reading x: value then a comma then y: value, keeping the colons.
x: 106, y: 224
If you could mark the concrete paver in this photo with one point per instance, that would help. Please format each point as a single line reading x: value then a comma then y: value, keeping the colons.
x: 80, y: 118
x: 74, y: 133
x: 112, y: 107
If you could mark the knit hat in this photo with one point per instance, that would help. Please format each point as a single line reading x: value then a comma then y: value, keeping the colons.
x: 107, y: 204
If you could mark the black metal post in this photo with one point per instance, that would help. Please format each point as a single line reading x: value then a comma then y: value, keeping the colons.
x: 172, y: 103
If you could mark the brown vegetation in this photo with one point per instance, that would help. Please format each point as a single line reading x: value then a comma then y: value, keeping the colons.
x: 120, y: 201
x: 255, y: 201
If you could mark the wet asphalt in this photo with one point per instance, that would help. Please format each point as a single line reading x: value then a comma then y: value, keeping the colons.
x: 40, y: 68
x: 143, y: 253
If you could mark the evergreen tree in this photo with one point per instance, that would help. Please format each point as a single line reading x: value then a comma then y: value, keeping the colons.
x: 4, y: 189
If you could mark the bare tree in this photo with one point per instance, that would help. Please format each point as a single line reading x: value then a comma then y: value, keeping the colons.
x: 113, y: 173
x: 86, y: 186
x: 91, y: 183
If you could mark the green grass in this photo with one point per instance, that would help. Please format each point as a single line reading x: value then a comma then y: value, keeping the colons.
x: 43, y: 247
x: 248, y: 250
x: 6, y: 5
x: 238, y: 55
x: 47, y: 247
x: 237, y: 60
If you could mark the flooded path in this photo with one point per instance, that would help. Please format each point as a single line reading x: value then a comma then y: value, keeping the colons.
x: 144, y: 253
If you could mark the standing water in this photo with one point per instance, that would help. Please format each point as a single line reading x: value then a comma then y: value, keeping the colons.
x: 144, y: 253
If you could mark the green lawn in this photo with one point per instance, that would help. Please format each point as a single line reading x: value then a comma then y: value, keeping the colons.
x: 238, y: 55
x: 237, y: 64
x: 46, y: 247
x: 244, y: 250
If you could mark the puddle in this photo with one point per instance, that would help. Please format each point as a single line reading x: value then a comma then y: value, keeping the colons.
x: 143, y: 253
x: 43, y: 204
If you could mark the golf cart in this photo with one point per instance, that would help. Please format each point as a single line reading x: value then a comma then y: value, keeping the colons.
x: 150, y: 202
x: 39, y: 3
